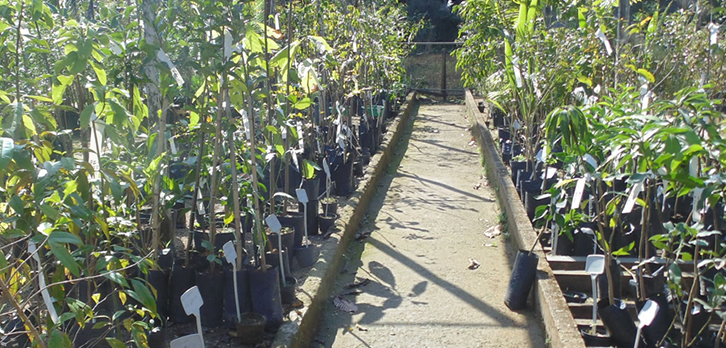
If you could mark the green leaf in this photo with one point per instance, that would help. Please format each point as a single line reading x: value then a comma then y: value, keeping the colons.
x: 100, y: 72
x: 59, y: 339
x: 674, y: 271
x: 116, y: 277
x: 17, y: 204
x: 65, y: 257
x: 58, y: 90
x: 7, y: 147
x: 29, y: 126
x: 3, y: 265
x: 64, y: 237
x: 85, y: 118
x: 647, y: 74
x: 115, y: 343
x: 142, y: 294
x: 193, y: 119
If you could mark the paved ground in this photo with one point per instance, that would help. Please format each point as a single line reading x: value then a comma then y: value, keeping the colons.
x: 426, y: 222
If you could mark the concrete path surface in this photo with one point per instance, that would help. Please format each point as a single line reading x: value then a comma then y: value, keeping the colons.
x: 426, y: 222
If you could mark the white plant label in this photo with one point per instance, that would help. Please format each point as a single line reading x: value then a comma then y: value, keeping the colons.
x: 697, y: 196
x: 517, y: 72
x: 277, y: 21
x: 693, y: 166
x: 273, y: 223
x: 579, y: 190
x: 32, y: 249
x: 174, y: 71
x: 326, y: 167
x: 540, y: 156
x: 713, y: 29
x: 294, y: 159
x: 229, y: 252
x: 302, y: 195
x: 172, y: 145
x: 246, y: 123
x: 300, y: 137
x: 200, y: 203
x: 283, y: 133
x: 632, y: 198
x: 227, y: 45
x: 96, y: 144
x: 600, y: 35
x: 516, y: 125
x: 192, y: 301
x: 590, y: 160
x: 188, y: 341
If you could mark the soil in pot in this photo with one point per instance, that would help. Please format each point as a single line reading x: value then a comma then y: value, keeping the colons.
x: 287, y: 290
x: 600, y: 338
x: 288, y: 242
x: 296, y: 221
x: 251, y: 328
x: 521, y: 281
x: 616, y: 318
x: 265, y: 294
x: 326, y: 222
x: 181, y: 279
x: 243, y: 292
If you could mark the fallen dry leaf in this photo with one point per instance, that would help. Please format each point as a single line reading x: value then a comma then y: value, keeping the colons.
x: 360, y: 328
x: 490, y: 245
x: 473, y: 264
x: 493, y: 231
x: 472, y: 142
x: 345, y: 305
x: 477, y: 186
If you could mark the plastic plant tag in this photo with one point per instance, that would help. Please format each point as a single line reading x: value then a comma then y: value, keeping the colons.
x: 172, y: 145
x: 229, y: 252
x: 517, y: 72
x: 595, y: 264
x: 32, y: 249
x: 227, y: 45
x: 188, y: 341
x: 645, y: 318
x: 273, y: 223
x: 96, y: 141
x: 693, y: 166
x: 192, y: 301
x: 579, y: 190
x: 695, y: 211
x: 300, y: 136
x: 326, y: 167
x: 283, y: 133
x: 600, y: 35
x: 302, y: 195
x: 590, y: 160
x: 634, y: 192
x: 200, y: 203
x: 161, y: 55
x: 713, y: 28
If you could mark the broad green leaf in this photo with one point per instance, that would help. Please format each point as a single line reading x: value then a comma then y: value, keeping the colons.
x: 143, y: 295
x: 193, y: 119
x: 65, y: 257
x: 116, y: 277
x: 64, y: 237
x: 17, y: 204
x: 115, y: 343
x: 647, y: 74
x: 100, y: 72
x: 58, y: 90
x: 3, y: 265
x: 85, y: 118
x: 59, y: 339
x: 29, y: 126
x: 7, y: 147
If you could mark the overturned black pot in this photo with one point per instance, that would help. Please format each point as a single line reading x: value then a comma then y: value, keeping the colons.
x: 265, y: 294
x: 524, y: 273
x: 617, y: 320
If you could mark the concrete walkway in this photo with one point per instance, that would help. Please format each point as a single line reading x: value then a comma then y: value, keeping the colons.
x: 425, y: 224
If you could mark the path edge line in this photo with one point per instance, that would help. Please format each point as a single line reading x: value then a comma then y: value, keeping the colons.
x: 300, y: 329
x: 549, y: 302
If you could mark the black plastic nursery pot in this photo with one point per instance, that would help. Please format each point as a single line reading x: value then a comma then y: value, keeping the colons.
x: 575, y: 297
x: 159, y: 280
x: 600, y: 338
x: 287, y: 290
x: 565, y: 245
x: 358, y: 168
x: 273, y: 259
x: 265, y: 294
x: 602, y: 281
x: 503, y: 133
x: 211, y: 286
x: 326, y: 221
x: 532, y: 202
x: 312, y: 188
x: 524, y: 273
x: 181, y: 279
x: 658, y: 328
x: 243, y: 293
x: 306, y: 255
x: 583, y: 243
x: 343, y: 177
x: 365, y: 155
x: 288, y: 243
x: 329, y: 208
x: 251, y: 328
x: 617, y: 320
x: 312, y: 214
x: 296, y: 221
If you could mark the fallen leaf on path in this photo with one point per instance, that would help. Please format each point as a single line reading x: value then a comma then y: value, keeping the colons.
x: 477, y: 186
x: 490, y: 245
x: 473, y: 264
x: 345, y: 305
x: 435, y: 131
x: 472, y: 142
x: 357, y: 283
x: 493, y: 231
x: 360, y: 328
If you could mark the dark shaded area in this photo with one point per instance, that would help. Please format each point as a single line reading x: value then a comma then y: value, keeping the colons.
x: 441, y: 24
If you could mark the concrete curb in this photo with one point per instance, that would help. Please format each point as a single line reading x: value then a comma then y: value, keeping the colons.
x: 549, y: 301
x: 302, y: 325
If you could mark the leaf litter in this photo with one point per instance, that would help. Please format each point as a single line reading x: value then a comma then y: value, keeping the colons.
x: 493, y: 232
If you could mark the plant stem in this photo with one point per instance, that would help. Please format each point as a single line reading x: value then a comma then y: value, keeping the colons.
x: 215, y: 159
x: 235, y: 199
x: 18, y: 309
